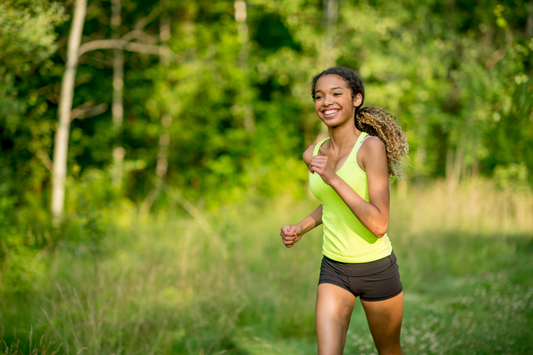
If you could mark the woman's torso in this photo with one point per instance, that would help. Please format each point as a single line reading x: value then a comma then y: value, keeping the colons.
x: 345, y: 238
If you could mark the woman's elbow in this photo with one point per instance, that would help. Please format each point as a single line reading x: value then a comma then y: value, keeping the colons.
x: 381, y: 230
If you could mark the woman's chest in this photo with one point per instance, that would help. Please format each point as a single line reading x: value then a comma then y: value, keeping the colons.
x: 353, y: 175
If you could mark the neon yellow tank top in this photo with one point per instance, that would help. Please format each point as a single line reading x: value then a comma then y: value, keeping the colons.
x: 345, y: 238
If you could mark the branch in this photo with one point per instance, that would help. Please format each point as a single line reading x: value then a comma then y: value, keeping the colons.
x: 81, y: 113
x: 46, y: 160
x: 139, y: 34
x: 84, y: 106
x: 128, y: 46
x: 152, y: 49
x: 101, y: 44
x: 148, y: 18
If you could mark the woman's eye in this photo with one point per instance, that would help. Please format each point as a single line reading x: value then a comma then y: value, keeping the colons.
x: 337, y: 94
x: 318, y: 97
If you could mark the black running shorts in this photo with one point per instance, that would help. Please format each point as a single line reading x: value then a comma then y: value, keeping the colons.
x: 374, y: 281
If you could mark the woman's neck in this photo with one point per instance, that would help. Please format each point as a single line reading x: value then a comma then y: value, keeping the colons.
x: 343, y: 135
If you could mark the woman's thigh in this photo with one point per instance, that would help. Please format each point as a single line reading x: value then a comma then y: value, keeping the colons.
x: 385, y: 321
x: 334, y: 306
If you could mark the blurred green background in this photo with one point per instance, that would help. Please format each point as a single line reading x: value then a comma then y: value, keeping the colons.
x: 186, y: 131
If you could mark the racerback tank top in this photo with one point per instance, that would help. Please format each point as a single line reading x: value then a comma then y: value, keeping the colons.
x: 345, y: 238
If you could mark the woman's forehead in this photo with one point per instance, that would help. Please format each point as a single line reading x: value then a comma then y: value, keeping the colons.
x: 330, y: 81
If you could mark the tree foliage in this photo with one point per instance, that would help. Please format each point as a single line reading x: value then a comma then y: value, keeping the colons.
x: 456, y: 74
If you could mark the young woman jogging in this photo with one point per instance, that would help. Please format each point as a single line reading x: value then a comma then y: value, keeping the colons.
x: 349, y: 173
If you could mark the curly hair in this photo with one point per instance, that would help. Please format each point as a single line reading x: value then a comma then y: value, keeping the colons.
x: 373, y: 120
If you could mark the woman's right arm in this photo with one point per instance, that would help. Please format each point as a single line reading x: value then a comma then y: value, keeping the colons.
x: 293, y: 233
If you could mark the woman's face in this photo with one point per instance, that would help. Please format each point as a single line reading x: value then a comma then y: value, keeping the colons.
x: 333, y: 100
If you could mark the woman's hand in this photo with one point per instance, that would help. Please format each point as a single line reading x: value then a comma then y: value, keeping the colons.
x: 320, y: 164
x: 291, y: 234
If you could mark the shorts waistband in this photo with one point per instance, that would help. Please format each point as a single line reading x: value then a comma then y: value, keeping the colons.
x: 361, y: 269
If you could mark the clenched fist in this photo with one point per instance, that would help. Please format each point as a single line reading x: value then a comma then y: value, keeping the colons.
x: 291, y: 234
x: 321, y: 165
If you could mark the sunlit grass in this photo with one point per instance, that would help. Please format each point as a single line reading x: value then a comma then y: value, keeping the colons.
x: 165, y: 285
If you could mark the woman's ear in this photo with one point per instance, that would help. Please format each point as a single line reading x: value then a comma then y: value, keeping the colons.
x: 357, y: 100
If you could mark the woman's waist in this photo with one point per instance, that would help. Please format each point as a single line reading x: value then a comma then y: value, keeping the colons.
x: 364, y: 268
x: 354, y: 245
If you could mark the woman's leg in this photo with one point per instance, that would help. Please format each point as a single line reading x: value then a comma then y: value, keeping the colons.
x: 385, y: 321
x: 334, y: 306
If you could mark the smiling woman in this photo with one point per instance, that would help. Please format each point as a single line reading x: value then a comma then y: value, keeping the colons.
x: 349, y: 172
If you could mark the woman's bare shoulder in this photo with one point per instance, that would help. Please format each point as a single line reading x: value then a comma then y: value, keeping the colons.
x: 373, y: 144
x: 308, y: 154
x: 373, y: 152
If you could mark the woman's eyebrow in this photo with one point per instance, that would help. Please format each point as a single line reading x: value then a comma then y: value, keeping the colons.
x: 335, y: 88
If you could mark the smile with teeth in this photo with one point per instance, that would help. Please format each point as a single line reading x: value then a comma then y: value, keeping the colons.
x: 330, y: 112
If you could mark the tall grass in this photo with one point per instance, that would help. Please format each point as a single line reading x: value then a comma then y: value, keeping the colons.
x: 166, y: 285
x: 477, y: 206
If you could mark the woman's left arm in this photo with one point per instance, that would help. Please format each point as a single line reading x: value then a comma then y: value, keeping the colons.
x: 374, y: 215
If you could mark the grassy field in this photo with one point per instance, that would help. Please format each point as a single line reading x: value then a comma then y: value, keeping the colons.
x: 174, y: 284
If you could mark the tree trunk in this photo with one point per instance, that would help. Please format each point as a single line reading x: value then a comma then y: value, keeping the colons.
x: 118, y: 71
x: 331, y: 16
x: 118, y: 88
x: 162, y: 156
x: 328, y: 57
x: 454, y: 167
x: 65, y: 106
x: 247, y: 110
x: 164, y: 138
x: 529, y: 24
x: 166, y: 119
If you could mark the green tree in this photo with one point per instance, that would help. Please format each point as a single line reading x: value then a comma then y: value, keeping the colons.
x: 27, y: 40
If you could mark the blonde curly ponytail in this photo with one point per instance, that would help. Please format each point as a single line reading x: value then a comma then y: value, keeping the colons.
x: 380, y: 123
